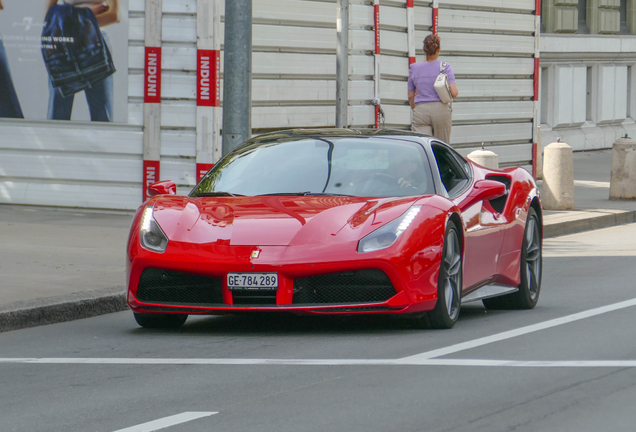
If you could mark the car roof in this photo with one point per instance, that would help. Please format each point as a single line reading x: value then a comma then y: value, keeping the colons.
x: 285, y: 135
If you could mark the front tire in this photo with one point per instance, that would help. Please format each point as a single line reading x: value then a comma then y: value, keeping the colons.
x: 157, y: 321
x: 531, y: 270
x: 449, y: 284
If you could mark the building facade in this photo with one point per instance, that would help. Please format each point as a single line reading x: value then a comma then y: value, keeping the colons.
x: 588, y: 53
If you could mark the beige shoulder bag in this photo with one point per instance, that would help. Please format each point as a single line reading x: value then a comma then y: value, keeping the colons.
x: 442, y: 87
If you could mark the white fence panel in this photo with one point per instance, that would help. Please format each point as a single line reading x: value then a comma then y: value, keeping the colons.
x: 519, y: 6
x: 467, y: 20
x: 294, y: 71
x: 492, y: 133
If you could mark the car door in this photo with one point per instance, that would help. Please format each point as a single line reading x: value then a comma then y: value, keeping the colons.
x: 482, y: 227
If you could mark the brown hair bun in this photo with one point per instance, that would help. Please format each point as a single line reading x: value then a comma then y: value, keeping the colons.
x: 431, y: 44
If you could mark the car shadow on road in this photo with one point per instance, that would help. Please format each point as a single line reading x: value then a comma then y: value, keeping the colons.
x: 281, y: 324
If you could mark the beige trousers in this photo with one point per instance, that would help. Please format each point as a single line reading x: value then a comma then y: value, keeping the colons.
x: 433, y: 118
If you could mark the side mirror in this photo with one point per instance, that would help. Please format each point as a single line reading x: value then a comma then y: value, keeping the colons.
x: 484, y: 190
x: 166, y: 187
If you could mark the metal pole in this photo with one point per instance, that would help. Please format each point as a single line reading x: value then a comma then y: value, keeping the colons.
x: 435, y: 16
x: 342, y: 64
x: 536, y: 139
x: 376, y: 57
x: 237, y: 74
x: 152, y: 95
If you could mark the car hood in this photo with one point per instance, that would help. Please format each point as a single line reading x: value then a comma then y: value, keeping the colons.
x: 275, y: 221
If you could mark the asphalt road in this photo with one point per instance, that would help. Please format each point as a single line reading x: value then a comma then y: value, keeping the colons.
x: 568, y: 365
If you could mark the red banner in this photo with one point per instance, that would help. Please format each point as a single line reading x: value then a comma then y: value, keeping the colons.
x: 376, y: 13
x: 202, y: 169
x: 208, y: 78
x: 151, y: 175
x: 435, y: 20
x: 152, y: 75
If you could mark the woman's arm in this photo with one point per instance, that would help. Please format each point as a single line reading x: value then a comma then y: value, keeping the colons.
x: 106, y: 14
x: 412, y: 94
x: 1, y: 7
x: 454, y: 90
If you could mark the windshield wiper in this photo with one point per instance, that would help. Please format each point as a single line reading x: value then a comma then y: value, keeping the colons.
x: 308, y: 193
x: 326, y: 194
x: 285, y: 194
x: 217, y: 194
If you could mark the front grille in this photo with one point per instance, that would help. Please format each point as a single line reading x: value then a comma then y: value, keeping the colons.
x: 254, y: 297
x: 163, y: 286
x: 354, y: 309
x: 164, y: 309
x: 363, y: 286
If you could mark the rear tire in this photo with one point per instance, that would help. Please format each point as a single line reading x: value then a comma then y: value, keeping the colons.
x: 449, y: 283
x: 531, y: 270
x: 157, y: 321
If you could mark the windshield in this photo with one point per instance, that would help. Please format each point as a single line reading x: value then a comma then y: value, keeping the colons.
x: 361, y: 167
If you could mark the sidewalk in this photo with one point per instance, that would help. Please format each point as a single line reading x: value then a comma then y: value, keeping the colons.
x: 59, y: 265
x: 594, y: 210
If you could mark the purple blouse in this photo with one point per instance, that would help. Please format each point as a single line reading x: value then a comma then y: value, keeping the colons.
x: 422, y: 78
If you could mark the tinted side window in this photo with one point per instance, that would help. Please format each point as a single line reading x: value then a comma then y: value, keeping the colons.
x: 454, y: 176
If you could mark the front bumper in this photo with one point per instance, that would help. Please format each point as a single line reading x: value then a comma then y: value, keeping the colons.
x: 413, y: 293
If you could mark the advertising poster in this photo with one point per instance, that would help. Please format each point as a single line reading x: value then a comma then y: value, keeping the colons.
x: 64, y: 60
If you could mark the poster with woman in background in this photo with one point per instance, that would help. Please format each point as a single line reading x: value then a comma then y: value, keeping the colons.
x: 68, y: 58
x: 9, y: 103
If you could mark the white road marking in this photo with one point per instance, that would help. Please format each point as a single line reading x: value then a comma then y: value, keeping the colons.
x: 167, y: 422
x: 430, y: 358
x: 200, y: 361
x: 521, y: 331
x: 331, y: 362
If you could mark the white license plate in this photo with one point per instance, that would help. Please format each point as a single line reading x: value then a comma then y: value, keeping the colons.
x: 252, y: 281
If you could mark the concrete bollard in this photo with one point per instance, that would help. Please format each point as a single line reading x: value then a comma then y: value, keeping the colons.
x: 623, y: 180
x: 558, y: 177
x: 485, y: 158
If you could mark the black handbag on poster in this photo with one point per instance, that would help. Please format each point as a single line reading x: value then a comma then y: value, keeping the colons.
x: 75, y: 53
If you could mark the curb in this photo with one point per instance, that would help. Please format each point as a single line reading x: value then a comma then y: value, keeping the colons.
x: 60, y: 309
x: 22, y: 315
x: 606, y: 220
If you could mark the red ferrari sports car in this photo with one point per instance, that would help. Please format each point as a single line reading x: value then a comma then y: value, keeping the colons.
x: 338, y: 222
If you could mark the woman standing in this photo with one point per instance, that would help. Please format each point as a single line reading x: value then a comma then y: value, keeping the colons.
x: 430, y: 115
x: 100, y: 96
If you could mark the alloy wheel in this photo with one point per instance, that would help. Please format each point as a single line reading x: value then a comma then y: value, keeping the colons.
x: 533, y: 258
x: 452, y: 275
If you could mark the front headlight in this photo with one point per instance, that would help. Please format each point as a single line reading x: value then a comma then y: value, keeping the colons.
x: 385, y: 236
x: 151, y: 235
